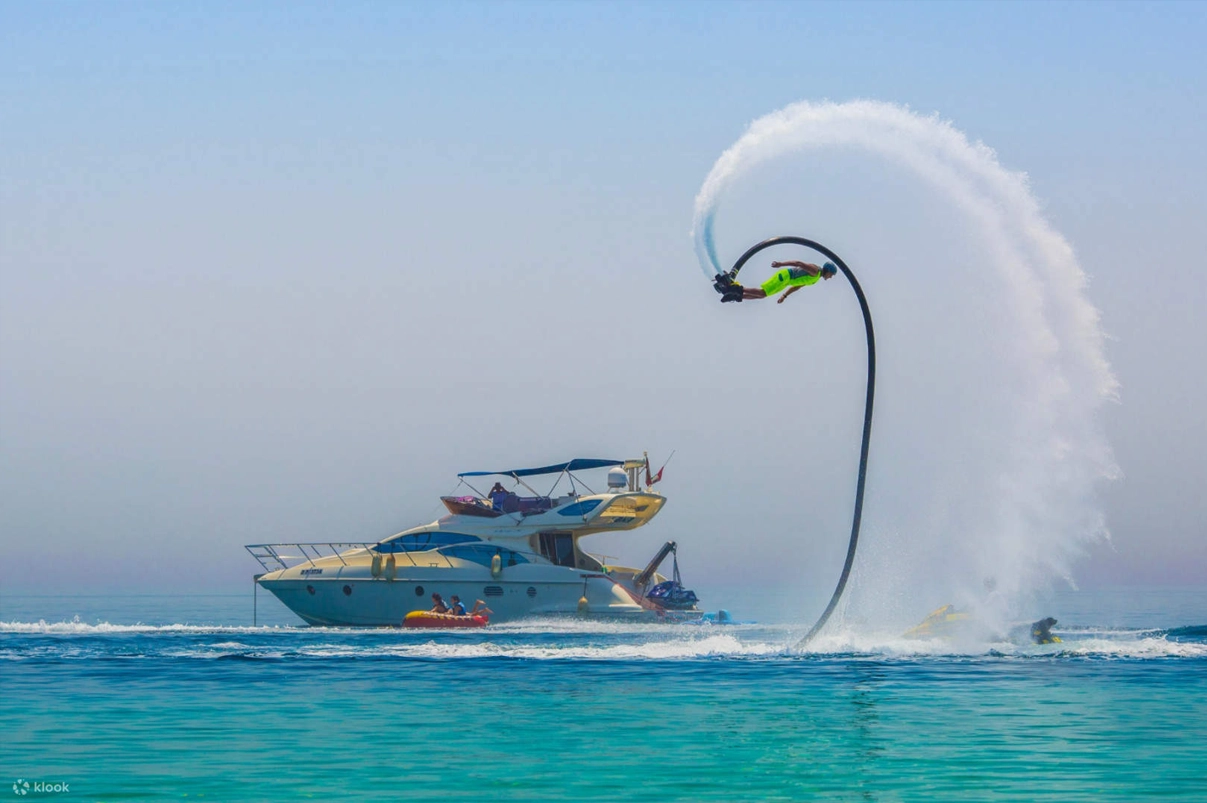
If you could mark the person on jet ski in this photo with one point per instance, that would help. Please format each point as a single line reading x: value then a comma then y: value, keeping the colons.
x: 1041, y: 632
x: 792, y: 275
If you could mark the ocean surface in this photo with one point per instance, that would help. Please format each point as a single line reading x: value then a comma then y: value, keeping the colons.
x: 164, y: 698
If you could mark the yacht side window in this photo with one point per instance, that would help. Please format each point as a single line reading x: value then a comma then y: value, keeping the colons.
x: 483, y: 553
x: 558, y: 548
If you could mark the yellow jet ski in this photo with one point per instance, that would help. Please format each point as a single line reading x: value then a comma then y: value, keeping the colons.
x: 941, y: 623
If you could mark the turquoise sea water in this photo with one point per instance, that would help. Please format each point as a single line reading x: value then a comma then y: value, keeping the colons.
x: 150, y: 698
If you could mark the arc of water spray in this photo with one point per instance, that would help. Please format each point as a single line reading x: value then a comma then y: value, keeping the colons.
x: 857, y: 517
x: 1028, y: 481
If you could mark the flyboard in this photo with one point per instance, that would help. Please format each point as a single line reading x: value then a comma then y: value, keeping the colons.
x: 725, y: 284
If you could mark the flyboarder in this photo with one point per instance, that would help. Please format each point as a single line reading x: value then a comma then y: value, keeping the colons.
x: 793, y: 275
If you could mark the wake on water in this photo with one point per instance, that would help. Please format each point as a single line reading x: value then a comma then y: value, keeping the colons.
x: 986, y: 449
x: 559, y: 640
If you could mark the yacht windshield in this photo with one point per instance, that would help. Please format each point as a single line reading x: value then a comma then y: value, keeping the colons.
x: 421, y: 542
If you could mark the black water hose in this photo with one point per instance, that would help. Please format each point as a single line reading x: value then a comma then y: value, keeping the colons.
x: 867, y: 408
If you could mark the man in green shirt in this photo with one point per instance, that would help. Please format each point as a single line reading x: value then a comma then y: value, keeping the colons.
x: 793, y: 275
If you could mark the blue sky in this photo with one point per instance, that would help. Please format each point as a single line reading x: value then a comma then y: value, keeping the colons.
x: 260, y: 261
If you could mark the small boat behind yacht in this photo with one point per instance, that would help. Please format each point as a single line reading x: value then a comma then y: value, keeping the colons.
x: 521, y: 554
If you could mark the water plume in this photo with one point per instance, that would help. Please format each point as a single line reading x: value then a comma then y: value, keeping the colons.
x: 987, y: 449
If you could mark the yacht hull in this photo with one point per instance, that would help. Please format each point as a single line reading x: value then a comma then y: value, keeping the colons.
x: 363, y: 602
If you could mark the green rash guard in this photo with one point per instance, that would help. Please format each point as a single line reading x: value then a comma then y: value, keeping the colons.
x: 795, y: 277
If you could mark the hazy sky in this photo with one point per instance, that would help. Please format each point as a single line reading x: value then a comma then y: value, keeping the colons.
x: 274, y: 272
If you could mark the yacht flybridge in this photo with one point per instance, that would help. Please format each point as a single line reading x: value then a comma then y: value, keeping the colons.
x: 521, y: 554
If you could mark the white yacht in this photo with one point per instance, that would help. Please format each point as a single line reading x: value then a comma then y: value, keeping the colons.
x: 523, y: 555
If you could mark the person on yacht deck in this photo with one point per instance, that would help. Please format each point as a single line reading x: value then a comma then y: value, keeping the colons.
x: 457, y: 608
x: 438, y: 605
x: 498, y: 494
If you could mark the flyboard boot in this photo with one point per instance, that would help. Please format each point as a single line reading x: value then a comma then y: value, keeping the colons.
x: 728, y: 288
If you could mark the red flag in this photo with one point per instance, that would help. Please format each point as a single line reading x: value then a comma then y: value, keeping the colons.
x: 651, y: 480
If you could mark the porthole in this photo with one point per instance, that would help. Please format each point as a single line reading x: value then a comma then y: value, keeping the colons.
x: 493, y: 591
x: 531, y: 591
x: 347, y: 591
x: 419, y: 591
x: 310, y: 590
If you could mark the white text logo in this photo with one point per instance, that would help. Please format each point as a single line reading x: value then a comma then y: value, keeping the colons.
x: 24, y: 787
